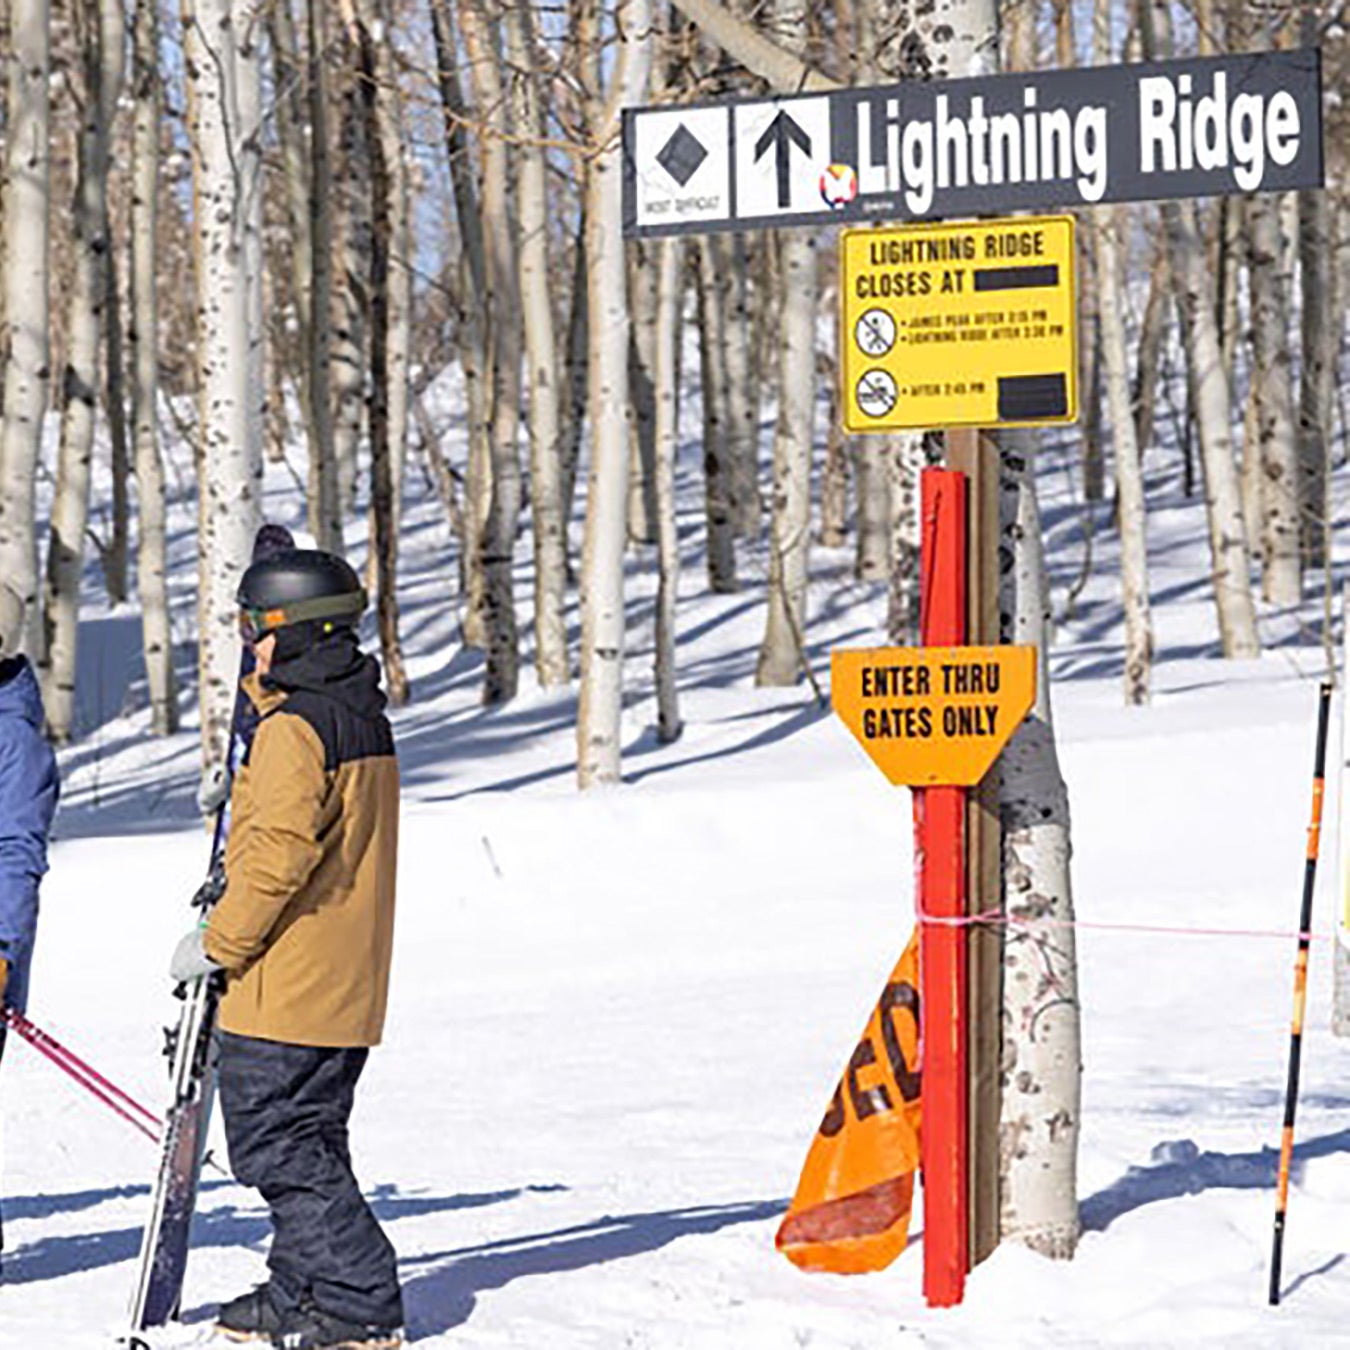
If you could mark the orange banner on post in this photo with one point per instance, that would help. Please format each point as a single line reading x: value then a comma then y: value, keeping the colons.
x: 851, y: 1212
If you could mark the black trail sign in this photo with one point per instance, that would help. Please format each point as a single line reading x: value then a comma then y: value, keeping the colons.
x: 1025, y: 142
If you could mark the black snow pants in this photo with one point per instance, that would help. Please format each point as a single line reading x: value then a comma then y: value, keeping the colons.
x: 286, y: 1109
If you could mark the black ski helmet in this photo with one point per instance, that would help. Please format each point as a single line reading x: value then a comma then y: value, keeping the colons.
x: 299, y: 586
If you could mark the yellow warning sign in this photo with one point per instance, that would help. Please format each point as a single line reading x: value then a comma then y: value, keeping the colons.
x: 931, y: 716
x: 958, y: 325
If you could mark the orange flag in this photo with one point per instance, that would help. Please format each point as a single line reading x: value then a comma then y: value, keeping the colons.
x: 851, y: 1211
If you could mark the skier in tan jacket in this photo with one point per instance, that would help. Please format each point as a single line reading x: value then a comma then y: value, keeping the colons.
x: 304, y: 934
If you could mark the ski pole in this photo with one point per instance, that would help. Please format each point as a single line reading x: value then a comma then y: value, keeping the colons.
x: 1300, y: 990
x: 85, y: 1075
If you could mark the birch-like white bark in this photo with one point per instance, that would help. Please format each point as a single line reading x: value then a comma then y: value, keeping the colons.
x: 781, y: 653
x: 599, y: 749
x: 1131, y: 504
x: 228, y: 513
x: 502, y: 315
x: 1042, y: 1059
x: 151, y: 563
x: 473, y: 355
x: 718, y: 479
x: 742, y: 393
x: 113, y: 555
x: 1274, y: 460
x: 246, y: 134
x: 383, y: 135
x: 24, y: 259
x: 642, y: 393
x: 872, y: 514
x: 347, y: 362
x: 541, y: 354
x: 905, y: 458
x: 86, y: 301
x: 1223, y: 497
x: 1209, y: 384
x: 669, y: 291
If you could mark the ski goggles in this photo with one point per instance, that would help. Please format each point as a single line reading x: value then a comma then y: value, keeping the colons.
x: 256, y: 624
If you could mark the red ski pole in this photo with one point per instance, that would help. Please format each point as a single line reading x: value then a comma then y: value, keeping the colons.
x: 84, y: 1074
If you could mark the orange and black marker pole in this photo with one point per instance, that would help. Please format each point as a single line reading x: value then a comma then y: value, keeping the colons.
x: 1300, y: 991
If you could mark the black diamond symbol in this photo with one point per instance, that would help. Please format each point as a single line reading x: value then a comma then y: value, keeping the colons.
x: 682, y: 154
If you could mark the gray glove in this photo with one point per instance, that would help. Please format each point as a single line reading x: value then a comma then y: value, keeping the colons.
x: 190, y: 961
x: 213, y: 789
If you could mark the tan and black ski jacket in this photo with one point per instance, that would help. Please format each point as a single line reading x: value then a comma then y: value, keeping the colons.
x: 305, y: 927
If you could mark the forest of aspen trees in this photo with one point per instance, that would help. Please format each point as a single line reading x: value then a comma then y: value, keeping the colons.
x: 263, y: 230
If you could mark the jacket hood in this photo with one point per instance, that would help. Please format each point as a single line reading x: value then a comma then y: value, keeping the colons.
x: 334, y: 667
x: 19, y: 693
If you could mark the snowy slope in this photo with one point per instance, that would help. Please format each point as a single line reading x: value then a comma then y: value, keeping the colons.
x: 617, y: 1019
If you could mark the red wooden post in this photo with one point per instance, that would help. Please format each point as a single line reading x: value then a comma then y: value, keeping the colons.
x: 939, y: 825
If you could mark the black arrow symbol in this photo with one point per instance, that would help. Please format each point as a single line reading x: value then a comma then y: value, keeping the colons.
x: 781, y: 134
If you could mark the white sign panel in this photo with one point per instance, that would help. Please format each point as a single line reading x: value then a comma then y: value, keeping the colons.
x: 682, y: 162
x: 782, y: 149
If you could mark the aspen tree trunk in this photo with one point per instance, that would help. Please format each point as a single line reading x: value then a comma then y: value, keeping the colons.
x: 669, y: 289
x: 1152, y: 330
x: 502, y: 311
x: 390, y: 128
x: 347, y: 350
x: 781, y: 653
x: 1042, y: 1060
x: 872, y: 474
x: 382, y: 136
x: 302, y: 103
x: 325, y: 488
x: 717, y: 476
x: 1042, y: 1069
x: 1209, y: 381
x: 474, y: 356
x: 246, y: 145
x: 24, y: 260
x: 151, y: 565
x: 642, y: 284
x: 114, y: 555
x: 577, y: 377
x: 1274, y: 462
x: 1318, y: 340
x: 1229, y: 234
x: 1132, y: 507
x: 1131, y: 504
x: 1251, y: 470
x: 742, y: 392
x: 87, y: 296
x: 905, y: 457
x: 834, y: 477
x: 546, y: 500
x: 230, y: 460
x: 602, y: 608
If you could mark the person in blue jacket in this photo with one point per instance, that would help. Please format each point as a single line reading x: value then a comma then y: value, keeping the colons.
x: 28, y: 792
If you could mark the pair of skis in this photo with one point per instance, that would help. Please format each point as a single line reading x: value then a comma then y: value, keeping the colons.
x: 164, y: 1244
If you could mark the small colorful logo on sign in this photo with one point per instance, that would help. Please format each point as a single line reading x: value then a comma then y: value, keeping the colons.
x: 838, y: 185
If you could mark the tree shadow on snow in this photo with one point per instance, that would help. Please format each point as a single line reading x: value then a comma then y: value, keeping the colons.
x: 223, y: 1226
x: 1182, y: 1169
x: 439, y: 1299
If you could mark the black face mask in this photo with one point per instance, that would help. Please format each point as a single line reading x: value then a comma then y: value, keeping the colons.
x: 294, y: 640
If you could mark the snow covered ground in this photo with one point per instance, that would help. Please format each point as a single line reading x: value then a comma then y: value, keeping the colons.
x: 616, y: 1019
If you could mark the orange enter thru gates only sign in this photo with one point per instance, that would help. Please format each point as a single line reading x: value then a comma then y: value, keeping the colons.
x: 932, y: 716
